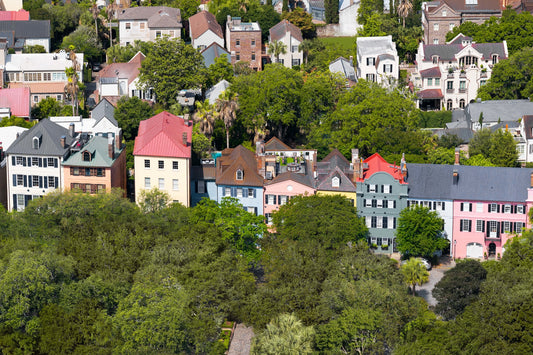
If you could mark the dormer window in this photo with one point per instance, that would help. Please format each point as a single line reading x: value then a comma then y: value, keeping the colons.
x: 335, y: 182
x: 494, y: 58
x: 435, y: 59
x: 444, y: 13
x: 239, y: 175
x: 86, y: 156
x: 36, y: 142
x: 471, y: 2
x: 467, y: 60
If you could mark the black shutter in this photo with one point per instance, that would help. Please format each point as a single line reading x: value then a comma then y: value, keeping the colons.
x: 27, y: 198
x: 23, y: 161
x: 367, y: 188
x: 498, y: 208
x: 482, y: 227
x: 40, y: 182
x: 394, y: 204
x: 13, y: 160
x: 434, y: 205
x: 364, y: 203
x: 55, y: 162
x: 488, y: 228
x: 490, y: 206
x: 408, y: 203
x: 460, y: 225
x: 498, y: 229
x: 57, y: 182
x: 524, y: 209
x: 394, y: 223
x: 45, y: 162
x: 381, y: 188
x: 470, y: 206
x: 25, y: 181
x: 45, y: 182
x: 501, y: 226
x: 14, y: 202
x: 29, y: 180
x: 470, y: 225
x: 443, y: 205
x: 14, y: 180
x: 40, y: 162
x: 385, y: 222
x: 462, y: 206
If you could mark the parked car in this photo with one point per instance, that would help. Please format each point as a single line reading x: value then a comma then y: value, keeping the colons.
x: 424, y: 262
x: 96, y: 67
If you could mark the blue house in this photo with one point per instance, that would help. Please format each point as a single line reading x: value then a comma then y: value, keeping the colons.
x: 237, y: 176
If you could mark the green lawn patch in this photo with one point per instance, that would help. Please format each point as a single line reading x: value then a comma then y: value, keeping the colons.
x: 346, y: 43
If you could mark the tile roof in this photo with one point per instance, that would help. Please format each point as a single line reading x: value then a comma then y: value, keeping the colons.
x: 214, y: 51
x: 40, y: 88
x: 202, y: 22
x: 50, y: 134
x: 377, y: 164
x: 98, y: 147
x: 146, y: 12
x: 275, y: 144
x: 430, y: 94
x: 104, y: 109
x: 129, y: 70
x: 162, y: 136
x: 18, y: 100
x: 27, y: 29
x: 476, y: 183
x: 431, y: 73
x: 278, y: 31
x: 233, y: 159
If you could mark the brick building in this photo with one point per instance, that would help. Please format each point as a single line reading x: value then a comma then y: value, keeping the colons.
x: 440, y: 17
x: 243, y: 41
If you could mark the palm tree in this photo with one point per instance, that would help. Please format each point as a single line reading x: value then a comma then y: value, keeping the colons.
x: 305, y: 47
x: 227, y: 106
x: 95, y: 11
x: 404, y: 8
x: 205, y: 115
x: 72, y: 87
x: 415, y: 273
x: 110, y: 11
x: 277, y: 48
x: 284, y: 335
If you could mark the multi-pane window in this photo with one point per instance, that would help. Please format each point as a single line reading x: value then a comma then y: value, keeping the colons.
x: 147, y: 163
x: 51, y: 181
x: 20, y: 180
x: 507, y: 227
x: 268, y: 217
x: 370, y: 61
x: 51, y: 161
x: 480, y: 225
x: 239, y: 192
x: 19, y: 161
x: 251, y: 193
x: 294, y: 49
x: 520, y: 209
x: 430, y: 81
x: 175, y: 184
x: 437, y: 81
x: 147, y: 183
x: 466, y: 225
x: 34, y: 161
x: 174, y: 165
x: 161, y: 183
x: 507, y: 209
x: 435, y: 27
x: 270, y: 199
x: 283, y: 199
x: 161, y: 164
x: 227, y: 191
x: 201, y: 186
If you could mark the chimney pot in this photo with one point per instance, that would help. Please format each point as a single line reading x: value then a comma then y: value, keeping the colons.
x: 457, y: 156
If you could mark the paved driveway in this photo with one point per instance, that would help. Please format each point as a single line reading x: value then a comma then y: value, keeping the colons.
x: 434, y: 276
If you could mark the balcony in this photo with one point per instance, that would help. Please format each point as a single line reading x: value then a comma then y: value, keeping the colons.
x: 449, y: 91
x: 492, y: 237
x: 462, y: 91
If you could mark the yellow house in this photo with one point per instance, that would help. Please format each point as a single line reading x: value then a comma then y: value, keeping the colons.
x: 335, y: 176
x: 162, y: 157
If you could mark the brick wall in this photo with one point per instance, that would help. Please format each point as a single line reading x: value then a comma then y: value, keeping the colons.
x: 242, y: 43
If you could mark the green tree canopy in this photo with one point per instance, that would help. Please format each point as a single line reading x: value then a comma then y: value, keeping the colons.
x: 85, y: 40
x: 129, y: 113
x: 498, y: 147
x: 172, y: 66
x: 419, y: 232
x: 458, y: 288
x: 303, y: 20
x: 415, y: 273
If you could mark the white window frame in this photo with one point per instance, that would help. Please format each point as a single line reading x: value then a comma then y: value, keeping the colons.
x: 479, y: 225
x: 147, y: 183
x: 175, y: 184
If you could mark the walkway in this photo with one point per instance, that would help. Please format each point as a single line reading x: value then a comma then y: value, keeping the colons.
x: 242, y: 340
x: 425, y: 291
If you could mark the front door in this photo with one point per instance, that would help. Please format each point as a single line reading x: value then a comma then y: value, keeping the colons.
x: 492, y: 249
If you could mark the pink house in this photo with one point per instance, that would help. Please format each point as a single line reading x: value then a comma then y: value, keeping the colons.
x: 283, y: 187
x: 15, y: 102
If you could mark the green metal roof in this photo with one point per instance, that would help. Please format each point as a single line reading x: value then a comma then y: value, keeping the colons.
x: 98, y: 147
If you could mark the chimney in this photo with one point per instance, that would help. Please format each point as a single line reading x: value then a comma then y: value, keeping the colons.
x: 455, y: 176
x: 403, y: 166
x: 260, y: 147
x: 184, y: 136
x: 62, y: 141
x: 118, y: 141
x: 18, y: 134
x: 360, y: 168
x: 457, y: 156
x: 351, y: 60
x: 186, y: 119
x: 355, y: 156
x: 228, y: 21
x: 111, y: 147
x: 71, y: 129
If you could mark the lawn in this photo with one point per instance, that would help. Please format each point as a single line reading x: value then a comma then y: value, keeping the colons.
x: 346, y: 43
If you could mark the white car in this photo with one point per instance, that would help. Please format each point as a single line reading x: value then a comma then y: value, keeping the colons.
x: 424, y: 262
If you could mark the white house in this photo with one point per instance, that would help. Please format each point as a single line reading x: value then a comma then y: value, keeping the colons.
x: 348, y: 11
x: 377, y: 60
x: 34, y: 162
x: 449, y: 75
x: 205, y: 30
x: 122, y: 79
x: 291, y: 36
x: 146, y: 23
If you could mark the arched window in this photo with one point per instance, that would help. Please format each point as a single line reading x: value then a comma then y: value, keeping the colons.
x: 35, y: 143
x: 449, y: 104
x: 335, y: 182
x: 86, y: 156
x: 462, y: 103
x: 239, y: 174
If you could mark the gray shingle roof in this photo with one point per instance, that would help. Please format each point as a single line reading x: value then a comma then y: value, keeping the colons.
x: 214, y: 51
x: 145, y: 12
x: 278, y: 31
x: 448, y: 51
x: 104, y: 109
x: 476, y: 183
x: 27, y: 29
x: 494, y: 110
x: 50, y: 134
x: 344, y: 67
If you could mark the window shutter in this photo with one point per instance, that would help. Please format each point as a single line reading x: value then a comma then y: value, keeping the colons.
x: 55, y: 163
x: 434, y: 205
x: 223, y: 191
x: 381, y: 188
x: 57, y: 182
x: 27, y: 199
x: 14, y: 202
x: 45, y: 182
x: 490, y: 207
x: 394, y: 204
x: 279, y: 199
x: 462, y: 204
x: 470, y: 207
x: 498, y: 208
x: 25, y: 181
x: 266, y: 199
x: 45, y: 162
x: 23, y: 161
x: 40, y: 182
x: 500, y: 225
x: 461, y: 225
x: 40, y: 162
x: 367, y: 188
x: 13, y: 160
x: 29, y: 180
x: 394, y: 223
x: 14, y: 180
x: 443, y: 204
x: 408, y: 203
x: 470, y: 225
x: 254, y: 193
x: 524, y: 209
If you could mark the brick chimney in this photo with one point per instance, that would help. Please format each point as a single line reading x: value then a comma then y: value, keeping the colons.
x: 118, y: 141
x: 111, y: 147
x: 63, y: 142
x: 184, y: 136
x: 71, y: 129
x: 457, y: 156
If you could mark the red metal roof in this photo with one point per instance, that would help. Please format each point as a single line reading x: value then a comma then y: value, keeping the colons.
x: 18, y: 100
x: 20, y: 15
x: 377, y: 164
x: 430, y: 94
x: 431, y: 73
x: 162, y: 136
